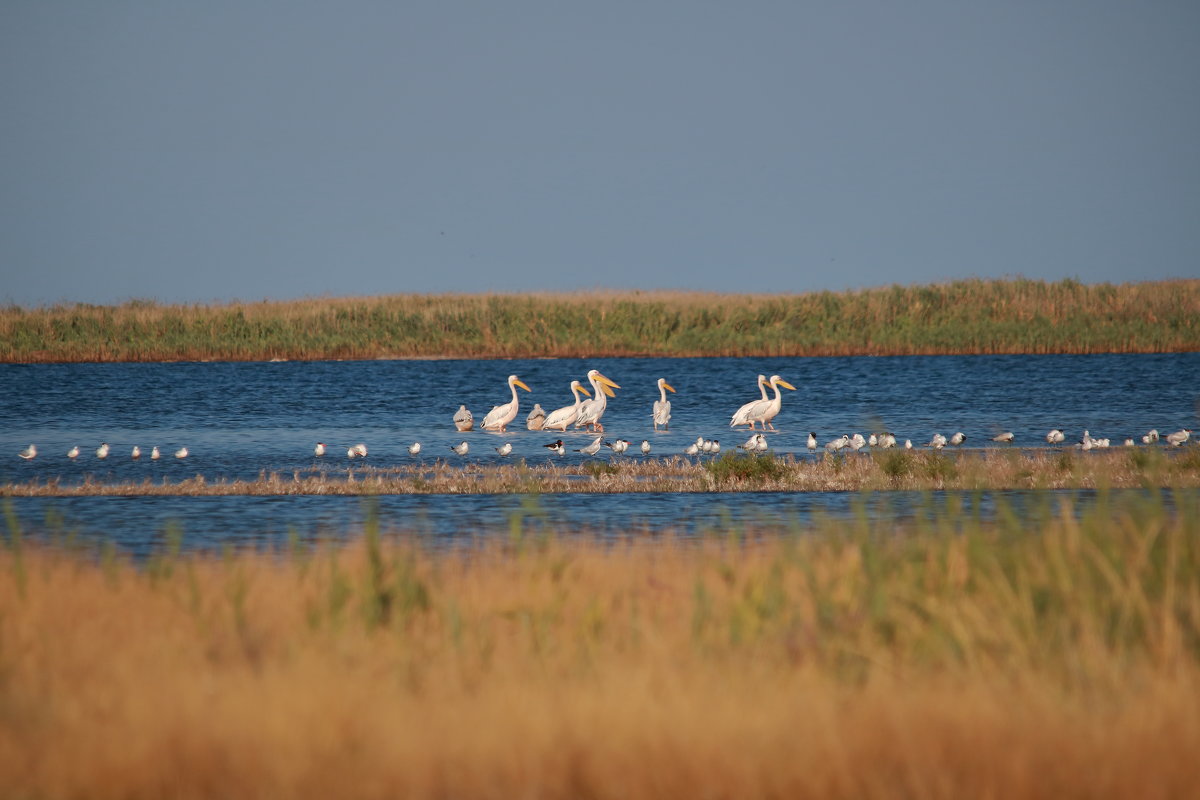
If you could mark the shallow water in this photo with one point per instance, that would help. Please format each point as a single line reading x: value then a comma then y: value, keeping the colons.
x: 241, y: 419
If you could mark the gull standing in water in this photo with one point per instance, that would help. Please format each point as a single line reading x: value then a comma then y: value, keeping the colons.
x: 361, y: 450
x: 591, y: 449
x: 645, y: 447
x: 556, y: 447
x: 29, y: 453
x: 811, y: 444
x: 498, y: 418
x: 136, y: 453
x: 662, y: 406
x: 1179, y: 437
x: 319, y: 450
x: 414, y: 448
x: 102, y: 450
x: 73, y: 452
x: 504, y: 449
x: 937, y: 442
x: 154, y: 454
x: 1004, y: 438
x: 181, y: 452
x: 592, y: 410
x: 958, y: 438
x: 463, y: 420
x: 742, y: 415
x: 462, y: 448
x: 1151, y: 437
x: 561, y: 418
x: 1055, y: 436
x: 536, y: 418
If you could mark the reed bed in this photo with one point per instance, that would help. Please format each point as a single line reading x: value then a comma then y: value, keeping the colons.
x: 971, y: 317
x: 880, y: 471
x: 1046, y: 656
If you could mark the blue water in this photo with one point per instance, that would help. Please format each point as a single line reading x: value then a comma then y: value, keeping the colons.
x: 241, y: 419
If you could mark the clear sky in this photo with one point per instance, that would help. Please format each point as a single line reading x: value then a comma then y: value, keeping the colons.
x: 249, y: 150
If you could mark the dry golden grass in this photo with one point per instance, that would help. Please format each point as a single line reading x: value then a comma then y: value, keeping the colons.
x: 1038, y: 658
x: 918, y: 470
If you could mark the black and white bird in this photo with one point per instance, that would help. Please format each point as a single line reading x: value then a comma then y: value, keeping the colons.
x: 1004, y: 438
x: 834, y: 445
x: 319, y: 450
x: 1179, y: 437
x: 1151, y: 437
x: 811, y: 444
x: 1055, y: 436
x: 618, y: 447
x: 556, y: 447
x: 504, y: 449
x: 462, y: 448
x: 937, y: 442
x: 102, y: 450
x: 958, y: 438
x: 645, y: 447
x: 154, y: 454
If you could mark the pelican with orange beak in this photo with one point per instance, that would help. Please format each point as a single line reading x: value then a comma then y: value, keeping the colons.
x: 592, y: 410
x: 498, y: 418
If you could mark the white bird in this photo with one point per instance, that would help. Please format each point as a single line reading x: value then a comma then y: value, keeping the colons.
x: 872, y: 440
x: 705, y: 445
x: 361, y: 450
x: 762, y: 443
x: 751, y: 444
x: 319, y: 450
x: 742, y: 415
x: 767, y: 410
x: 887, y: 440
x: 908, y: 444
x: 136, y: 452
x: 618, y: 447
x: 154, y: 454
x: 591, y: 449
x: 561, y: 418
x: 1130, y: 443
x: 498, y: 418
x: 857, y: 442
x: 811, y: 444
x: 102, y: 450
x: 662, y: 406
x: 692, y: 449
x: 351, y: 453
x: 715, y: 448
x: 1004, y: 438
x: 29, y: 452
x: 645, y: 446
x: 958, y: 438
x: 181, y: 452
x: 834, y: 445
x: 1151, y: 437
x: 1179, y: 437
x: 1055, y: 436
x: 73, y: 452
x: 556, y: 447
x: 463, y: 419
x: 592, y: 410
x: 937, y: 442
x: 536, y: 418
x: 504, y: 449
x: 462, y: 448
x: 414, y: 448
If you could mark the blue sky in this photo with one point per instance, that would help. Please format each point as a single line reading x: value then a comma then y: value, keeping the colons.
x: 240, y: 150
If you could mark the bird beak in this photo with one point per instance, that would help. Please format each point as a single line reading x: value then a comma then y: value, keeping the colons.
x: 785, y: 384
x: 521, y: 383
x: 605, y: 383
x: 668, y: 387
x: 585, y: 391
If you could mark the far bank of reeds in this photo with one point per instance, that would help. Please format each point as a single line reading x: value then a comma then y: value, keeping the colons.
x: 962, y: 317
x: 1039, y: 655
x: 887, y: 470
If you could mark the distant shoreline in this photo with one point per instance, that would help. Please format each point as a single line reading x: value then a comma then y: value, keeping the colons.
x: 972, y: 317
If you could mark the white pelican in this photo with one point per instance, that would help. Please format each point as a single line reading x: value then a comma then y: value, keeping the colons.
x: 463, y: 420
x: 181, y: 452
x: 73, y: 452
x: 811, y: 444
x: 1151, y: 437
x: 414, y: 448
x: 592, y: 410
x: 662, y: 406
x: 556, y: 447
x: 361, y: 450
x: 1004, y: 438
x: 504, y: 449
x: 591, y: 449
x: 102, y: 450
x: 742, y: 415
x: 958, y: 438
x: 766, y: 410
x: 560, y: 418
x: 154, y: 454
x: 937, y: 442
x: 618, y: 447
x: 498, y: 418
x: 1179, y: 437
x: 29, y: 452
x: 536, y: 418
x: 1055, y: 436
x: 319, y: 450
x: 645, y: 447
x: 136, y: 452
x: 462, y: 448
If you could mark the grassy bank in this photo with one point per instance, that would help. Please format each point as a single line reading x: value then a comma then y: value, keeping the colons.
x: 880, y: 471
x: 1017, y: 316
x: 1042, y: 657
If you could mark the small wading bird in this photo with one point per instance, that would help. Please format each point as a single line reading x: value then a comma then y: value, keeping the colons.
x: 591, y: 449
x: 937, y: 442
x: 592, y: 410
x: 618, y: 447
x: 751, y: 444
x: 504, y: 449
x: 908, y: 444
x: 560, y: 418
x: 1179, y: 437
x: 645, y: 447
x: 360, y: 450
x: 73, y: 452
x: 857, y: 442
x: 887, y: 440
x: 154, y: 454
x: 556, y: 447
x: 29, y: 452
x: 872, y: 440
x: 536, y: 418
x: 742, y: 415
x: 463, y: 421
x: 834, y: 445
x: 498, y: 418
x: 1130, y: 443
x: 695, y: 447
x: 414, y: 448
x: 136, y: 453
x: 462, y: 448
x: 102, y: 450
x: 181, y: 452
x: 1055, y: 436
x: 1151, y: 437
x: 958, y: 438
x: 1004, y: 438
x: 811, y: 444
x: 662, y: 406
x: 319, y: 450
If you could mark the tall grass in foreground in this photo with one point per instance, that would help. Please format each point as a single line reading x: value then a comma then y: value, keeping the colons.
x: 1031, y: 657
x: 975, y: 316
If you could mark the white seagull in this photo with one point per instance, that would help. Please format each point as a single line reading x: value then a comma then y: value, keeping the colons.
x: 645, y: 446
x: 29, y: 452
x: 937, y: 442
x: 662, y: 406
x: 498, y: 418
x: 591, y: 449
x: 102, y: 450
x: 1151, y: 437
x: 136, y: 452
x: 618, y: 447
x: 154, y: 454
x: 414, y: 448
x: 958, y: 438
x: 1179, y: 437
x: 462, y: 448
x: 1004, y: 438
x: 811, y: 444
x: 1055, y: 436
x: 504, y: 449
x: 319, y: 450
x: 181, y: 452
x: 73, y: 452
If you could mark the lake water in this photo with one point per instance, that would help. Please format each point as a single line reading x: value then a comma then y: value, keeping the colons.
x: 240, y: 419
